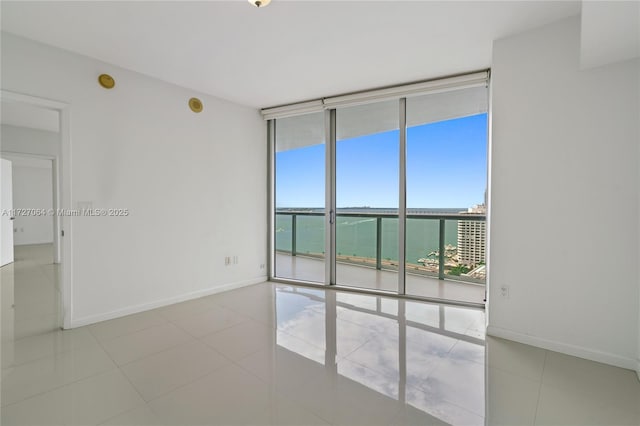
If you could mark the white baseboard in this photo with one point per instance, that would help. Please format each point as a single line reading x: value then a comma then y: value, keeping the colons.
x: 565, y: 348
x: 32, y: 243
x: 79, y: 322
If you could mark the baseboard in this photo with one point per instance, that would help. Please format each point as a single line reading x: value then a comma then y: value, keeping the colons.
x: 35, y: 243
x: 638, y: 368
x: 565, y: 348
x: 80, y: 322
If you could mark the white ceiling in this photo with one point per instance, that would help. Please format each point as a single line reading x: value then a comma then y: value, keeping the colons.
x: 610, y: 32
x: 24, y: 115
x: 287, y: 52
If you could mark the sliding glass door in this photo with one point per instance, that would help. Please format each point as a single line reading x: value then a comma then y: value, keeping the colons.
x: 385, y: 194
x: 446, y: 189
x: 299, y: 222
x: 367, y: 196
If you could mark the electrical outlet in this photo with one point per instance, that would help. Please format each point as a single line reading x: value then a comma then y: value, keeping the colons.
x: 235, y: 260
x: 262, y: 266
x: 504, y: 291
x: 227, y: 261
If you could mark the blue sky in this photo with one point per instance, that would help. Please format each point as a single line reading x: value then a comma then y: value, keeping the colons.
x: 446, y: 167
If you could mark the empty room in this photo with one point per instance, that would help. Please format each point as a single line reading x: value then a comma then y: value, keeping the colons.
x: 290, y: 212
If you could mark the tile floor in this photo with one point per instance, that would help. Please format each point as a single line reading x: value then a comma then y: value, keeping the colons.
x: 35, y: 299
x: 274, y: 354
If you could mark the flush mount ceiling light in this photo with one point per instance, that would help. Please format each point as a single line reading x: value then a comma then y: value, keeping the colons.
x: 260, y: 3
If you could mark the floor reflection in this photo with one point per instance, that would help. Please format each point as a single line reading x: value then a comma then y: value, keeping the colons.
x: 271, y: 354
x: 423, y: 358
x: 30, y: 296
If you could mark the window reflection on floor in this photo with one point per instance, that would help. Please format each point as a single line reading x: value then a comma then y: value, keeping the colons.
x: 428, y: 358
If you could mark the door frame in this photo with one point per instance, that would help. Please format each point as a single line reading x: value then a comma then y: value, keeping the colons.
x: 7, y: 240
x: 62, y: 195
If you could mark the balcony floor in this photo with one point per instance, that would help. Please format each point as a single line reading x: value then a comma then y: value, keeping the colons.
x: 312, y: 269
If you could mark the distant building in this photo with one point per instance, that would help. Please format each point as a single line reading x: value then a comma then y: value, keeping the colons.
x: 472, y: 236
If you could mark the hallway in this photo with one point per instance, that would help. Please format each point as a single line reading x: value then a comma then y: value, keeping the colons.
x: 30, y: 297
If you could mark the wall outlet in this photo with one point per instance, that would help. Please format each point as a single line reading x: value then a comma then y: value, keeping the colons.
x: 235, y: 260
x: 504, y: 291
x: 262, y: 266
x: 227, y: 261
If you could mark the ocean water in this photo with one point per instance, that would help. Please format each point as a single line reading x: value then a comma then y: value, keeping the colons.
x: 356, y: 236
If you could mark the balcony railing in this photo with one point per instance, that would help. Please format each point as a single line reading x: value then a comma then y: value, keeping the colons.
x: 445, y: 256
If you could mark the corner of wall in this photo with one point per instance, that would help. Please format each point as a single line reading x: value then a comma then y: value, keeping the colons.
x: 578, y: 171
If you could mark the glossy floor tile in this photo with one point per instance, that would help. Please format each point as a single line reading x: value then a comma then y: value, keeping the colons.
x: 86, y: 402
x: 143, y: 343
x: 272, y: 354
x: 48, y: 373
x: 30, y: 294
x: 165, y: 371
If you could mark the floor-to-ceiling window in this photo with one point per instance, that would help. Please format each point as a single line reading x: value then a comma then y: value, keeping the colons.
x: 367, y: 151
x: 446, y: 188
x: 386, y: 192
x: 299, y: 233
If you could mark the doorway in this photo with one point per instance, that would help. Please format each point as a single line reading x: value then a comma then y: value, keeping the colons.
x: 36, y: 283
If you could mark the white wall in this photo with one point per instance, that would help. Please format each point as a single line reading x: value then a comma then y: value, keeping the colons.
x: 33, y: 189
x: 610, y: 32
x: 28, y: 141
x: 41, y: 140
x: 565, y: 184
x: 194, y: 183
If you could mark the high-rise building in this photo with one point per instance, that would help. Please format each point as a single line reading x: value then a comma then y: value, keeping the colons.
x: 472, y: 235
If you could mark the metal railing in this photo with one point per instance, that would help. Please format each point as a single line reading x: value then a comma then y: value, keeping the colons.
x: 441, y: 218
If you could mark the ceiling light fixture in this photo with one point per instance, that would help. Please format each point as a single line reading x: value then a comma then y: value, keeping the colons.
x: 260, y: 3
